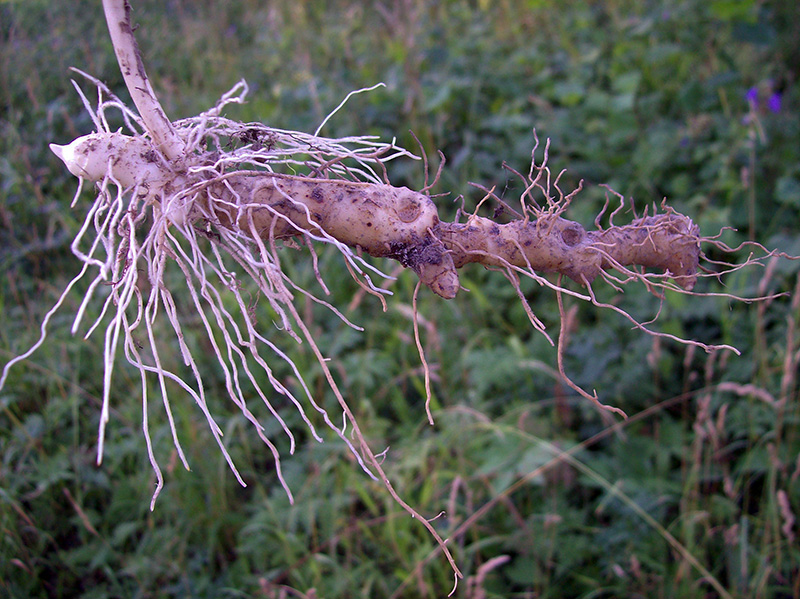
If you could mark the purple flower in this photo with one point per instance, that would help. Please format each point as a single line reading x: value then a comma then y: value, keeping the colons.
x: 752, y: 96
x: 774, y: 102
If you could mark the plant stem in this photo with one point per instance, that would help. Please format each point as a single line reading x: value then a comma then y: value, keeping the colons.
x: 118, y: 13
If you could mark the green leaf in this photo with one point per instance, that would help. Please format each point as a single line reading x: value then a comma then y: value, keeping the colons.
x: 734, y: 10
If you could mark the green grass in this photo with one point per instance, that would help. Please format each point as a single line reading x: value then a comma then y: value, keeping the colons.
x: 692, y: 497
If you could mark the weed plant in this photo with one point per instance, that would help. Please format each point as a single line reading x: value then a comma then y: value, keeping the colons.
x: 695, y: 495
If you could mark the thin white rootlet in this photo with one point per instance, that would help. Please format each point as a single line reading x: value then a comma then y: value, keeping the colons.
x: 135, y: 232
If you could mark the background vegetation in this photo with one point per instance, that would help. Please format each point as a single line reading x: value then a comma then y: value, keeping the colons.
x: 695, y: 496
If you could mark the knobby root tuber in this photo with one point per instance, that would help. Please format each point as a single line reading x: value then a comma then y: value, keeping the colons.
x: 386, y: 221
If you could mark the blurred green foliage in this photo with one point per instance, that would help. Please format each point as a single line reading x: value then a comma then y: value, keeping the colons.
x: 694, y: 101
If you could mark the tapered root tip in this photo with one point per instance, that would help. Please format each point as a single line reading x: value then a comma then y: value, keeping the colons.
x: 58, y: 151
x: 68, y: 155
